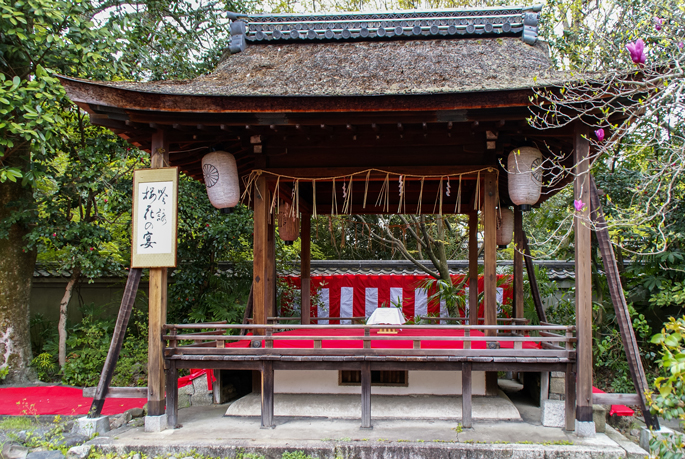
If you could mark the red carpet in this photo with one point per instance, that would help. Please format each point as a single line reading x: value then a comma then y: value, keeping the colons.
x: 57, y: 400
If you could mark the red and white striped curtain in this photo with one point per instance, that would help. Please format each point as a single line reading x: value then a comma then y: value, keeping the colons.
x: 359, y: 295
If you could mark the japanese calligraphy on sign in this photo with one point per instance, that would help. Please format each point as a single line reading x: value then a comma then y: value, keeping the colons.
x: 155, y: 206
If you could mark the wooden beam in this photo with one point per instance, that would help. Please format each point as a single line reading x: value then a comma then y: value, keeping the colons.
x: 466, y: 390
x: 260, y: 272
x: 617, y: 399
x: 305, y: 268
x: 117, y: 392
x: 570, y: 397
x: 473, y: 268
x: 518, y: 263
x: 581, y: 192
x: 335, y: 171
x: 172, y: 395
x: 366, y: 395
x: 157, y: 303
x: 490, y: 262
x: 267, y: 394
x: 127, y: 301
x: 625, y: 325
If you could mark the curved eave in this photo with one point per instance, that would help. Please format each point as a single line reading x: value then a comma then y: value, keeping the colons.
x: 88, y: 93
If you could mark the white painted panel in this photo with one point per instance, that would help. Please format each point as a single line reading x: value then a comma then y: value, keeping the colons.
x: 346, y: 302
x: 371, y: 303
x: 395, y: 296
x: 443, y: 312
x: 420, y: 302
x: 323, y: 310
x: 420, y: 383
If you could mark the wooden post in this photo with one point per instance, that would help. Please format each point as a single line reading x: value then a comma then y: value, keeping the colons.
x: 157, y: 303
x: 172, y: 395
x: 473, y: 268
x: 518, y: 263
x: 466, y: 411
x: 366, y: 395
x: 534, y: 290
x: 625, y: 325
x: 490, y: 242
x: 581, y: 192
x: 267, y: 394
x: 570, y: 397
x: 544, y: 386
x: 127, y: 302
x: 261, y: 269
x: 305, y: 272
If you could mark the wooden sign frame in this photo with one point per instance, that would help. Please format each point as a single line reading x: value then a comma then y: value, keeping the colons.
x: 154, y: 237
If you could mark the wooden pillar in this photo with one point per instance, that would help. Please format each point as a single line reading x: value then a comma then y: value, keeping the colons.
x: 305, y: 272
x: 518, y: 263
x: 490, y: 241
x: 261, y: 270
x: 570, y: 396
x: 466, y: 407
x: 473, y: 268
x: 172, y: 395
x: 581, y: 192
x: 366, y: 395
x: 157, y: 303
x: 267, y: 394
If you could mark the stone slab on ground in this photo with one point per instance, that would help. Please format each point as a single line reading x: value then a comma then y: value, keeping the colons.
x: 646, y: 435
x: 207, y: 432
x: 155, y: 423
x: 89, y: 426
x: 382, y: 407
x: 633, y: 451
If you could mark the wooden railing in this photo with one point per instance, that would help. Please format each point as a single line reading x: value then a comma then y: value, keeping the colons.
x: 208, y: 339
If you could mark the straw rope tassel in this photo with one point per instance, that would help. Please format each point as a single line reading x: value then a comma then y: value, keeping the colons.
x: 477, y: 197
x: 457, y: 205
x: 418, y: 211
x: 314, y: 198
x: 334, y: 201
x: 366, y: 188
x: 273, y: 200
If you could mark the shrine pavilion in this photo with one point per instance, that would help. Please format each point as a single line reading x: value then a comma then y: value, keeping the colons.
x: 328, y: 114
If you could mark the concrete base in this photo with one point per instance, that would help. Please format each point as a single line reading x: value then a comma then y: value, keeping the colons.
x: 155, y: 423
x: 553, y: 413
x: 89, y: 426
x: 382, y: 407
x: 585, y: 429
x: 647, y: 434
x: 206, y: 432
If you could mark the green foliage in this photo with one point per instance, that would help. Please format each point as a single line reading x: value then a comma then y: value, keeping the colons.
x: 296, y: 455
x: 46, y: 366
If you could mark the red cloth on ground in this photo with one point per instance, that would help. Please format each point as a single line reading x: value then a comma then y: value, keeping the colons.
x: 57, y: 400
x: 618, y: 410
x: 383, y: 344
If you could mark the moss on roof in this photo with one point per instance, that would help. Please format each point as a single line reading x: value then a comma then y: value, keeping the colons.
x: 371, y: 68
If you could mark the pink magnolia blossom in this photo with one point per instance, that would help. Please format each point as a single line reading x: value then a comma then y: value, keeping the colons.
x: 600, y: 134
x: 658, y: 22
x: 579, y: 205
x: 681, y: 44
x: 637, y: 51
x: 54, y: 234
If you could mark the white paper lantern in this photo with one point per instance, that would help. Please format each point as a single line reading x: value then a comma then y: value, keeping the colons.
x: 525, y: 176
x: 505, y: 227
x: 288, y: 224
x: 221, y: 179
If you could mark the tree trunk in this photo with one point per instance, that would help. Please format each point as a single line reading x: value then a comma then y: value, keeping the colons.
x: 16, y: 274
x: 62, y: 326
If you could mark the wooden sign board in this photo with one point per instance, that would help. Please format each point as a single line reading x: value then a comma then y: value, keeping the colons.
x: 155, y: 212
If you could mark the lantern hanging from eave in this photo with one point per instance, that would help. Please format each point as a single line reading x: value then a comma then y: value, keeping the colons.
x: 288, y: 223
x: 505, y: 227
x: 221, y: 179
x: 525, y: 176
